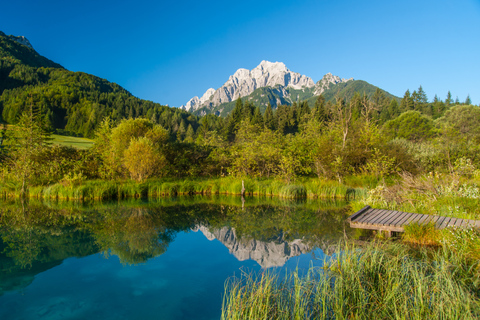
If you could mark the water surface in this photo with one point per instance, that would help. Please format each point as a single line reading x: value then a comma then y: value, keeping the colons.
x: 164, y: 259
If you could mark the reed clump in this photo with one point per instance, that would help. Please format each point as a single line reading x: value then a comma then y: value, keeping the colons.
x: 376, y: 282
x: 154, y: 188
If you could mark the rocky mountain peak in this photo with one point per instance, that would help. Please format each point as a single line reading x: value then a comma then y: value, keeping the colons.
x: 326, y: 81
x: 243, y: 82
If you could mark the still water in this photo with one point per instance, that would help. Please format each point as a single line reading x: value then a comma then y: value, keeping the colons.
x: 164, y: 259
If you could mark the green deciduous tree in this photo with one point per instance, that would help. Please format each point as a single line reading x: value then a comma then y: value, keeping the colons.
x: 143, y: 159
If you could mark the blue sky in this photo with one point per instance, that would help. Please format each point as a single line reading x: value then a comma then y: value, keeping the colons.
x: 170, y: 51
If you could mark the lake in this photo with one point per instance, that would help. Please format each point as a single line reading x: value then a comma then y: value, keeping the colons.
x: 162, y: 259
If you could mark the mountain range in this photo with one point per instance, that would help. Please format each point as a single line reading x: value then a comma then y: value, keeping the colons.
x: 273, y: 83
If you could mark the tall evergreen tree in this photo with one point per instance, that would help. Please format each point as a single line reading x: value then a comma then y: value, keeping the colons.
x: 319, y: 111
x: 406, y: 103
x: 468, y: 101
x: 421, y: 96
x: 257, y: 118
x: 269, y: 118
x: 449, y: 99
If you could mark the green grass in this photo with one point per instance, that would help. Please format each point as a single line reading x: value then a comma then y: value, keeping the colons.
x: 78, y: 143
x: 153, y: 188
x: 385, y: 281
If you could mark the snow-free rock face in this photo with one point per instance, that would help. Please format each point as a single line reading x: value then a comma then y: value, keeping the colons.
x: 21, y: 40
x: 326, y: 81
x: 243, y: 82
x: 196, y: 103
x: 267, y: 254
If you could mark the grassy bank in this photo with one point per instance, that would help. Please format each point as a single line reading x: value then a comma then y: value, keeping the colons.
x: 105, y: 190
x: 448, y: 194
x: 387, y: 281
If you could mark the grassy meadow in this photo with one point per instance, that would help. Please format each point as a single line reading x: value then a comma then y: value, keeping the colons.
x: 75, y: 142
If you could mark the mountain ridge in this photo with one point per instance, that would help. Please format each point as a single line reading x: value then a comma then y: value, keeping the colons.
x: 244, y: 82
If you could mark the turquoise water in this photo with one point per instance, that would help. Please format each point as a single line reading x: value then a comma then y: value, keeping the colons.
x: 162, y: 260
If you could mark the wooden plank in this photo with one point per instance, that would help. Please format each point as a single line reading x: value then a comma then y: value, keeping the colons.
x: 470, y: 223
x: 477, y: 224
x: 429, y: 219
x: 391, y: 215
x: 395, y: 216
x: 374, y: 227
x: 385, y: 218
x: 358, y: 213
x: 398, y: 219
x: 368, y: 215
x: 452, y: 222
x: 423, y: 219
x: 410, y: 219
x: 459, y: 223
x: 414, y: 218
x: 379, y: 217
x: 405, y: 218
x: 439, y: 222
x: 435, y: 219
x: 365, y: 215
x: 445, y: 223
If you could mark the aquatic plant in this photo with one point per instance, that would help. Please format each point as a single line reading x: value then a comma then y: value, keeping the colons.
x: 375, y: 282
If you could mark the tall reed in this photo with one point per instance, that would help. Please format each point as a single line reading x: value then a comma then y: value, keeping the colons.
x: 378, y: 282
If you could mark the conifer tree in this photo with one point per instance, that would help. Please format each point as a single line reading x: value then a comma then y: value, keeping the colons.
x: 257, y: 118
x: 449, y: 99
x: 468, y: 101
x: 269, y: 118
x: 190, y: 134
x: 406, y: 103
x: 320, y: 111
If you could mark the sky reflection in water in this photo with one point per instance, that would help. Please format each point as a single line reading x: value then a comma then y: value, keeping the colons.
x: 152, y: 261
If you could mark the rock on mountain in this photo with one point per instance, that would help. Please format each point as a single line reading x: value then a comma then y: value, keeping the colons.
x: 244, y: 82
x: 327, y: 81
x: 195, y: 103
x: 283, y: 87
x: 21, y: 40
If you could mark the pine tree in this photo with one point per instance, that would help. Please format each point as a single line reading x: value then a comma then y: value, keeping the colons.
x: 319, y: 110
x: 406, y: 103
x: 449, y: 99
x: 468, y: 101
x: 190, y: 134
x: 422, y: 96
x: 269, y: 119
x: 257, y: 118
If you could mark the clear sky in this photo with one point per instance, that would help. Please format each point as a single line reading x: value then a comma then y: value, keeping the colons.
x: 170, y: 51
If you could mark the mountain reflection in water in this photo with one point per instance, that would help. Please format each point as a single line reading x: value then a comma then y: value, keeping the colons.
x: 38, y: 236
x: 266, y: 254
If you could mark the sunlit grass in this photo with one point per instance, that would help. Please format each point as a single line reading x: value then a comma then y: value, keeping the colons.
x: 78, y: 143
x: 377, y: 282
x: 153, y: 188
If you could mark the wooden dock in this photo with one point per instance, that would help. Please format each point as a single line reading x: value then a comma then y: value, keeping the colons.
x: 394, y: 221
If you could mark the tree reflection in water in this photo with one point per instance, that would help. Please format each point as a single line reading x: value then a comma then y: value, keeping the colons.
x: 38, y: 236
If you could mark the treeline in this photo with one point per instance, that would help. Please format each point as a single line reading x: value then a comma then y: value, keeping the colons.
x: 76, y: 103
x: 329, y: 141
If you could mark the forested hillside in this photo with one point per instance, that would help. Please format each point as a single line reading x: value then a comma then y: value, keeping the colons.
x: 74, y: 103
